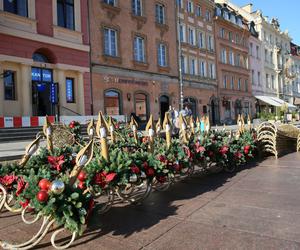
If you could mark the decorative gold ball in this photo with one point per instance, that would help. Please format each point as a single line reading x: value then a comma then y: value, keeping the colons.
x: 57, y: 187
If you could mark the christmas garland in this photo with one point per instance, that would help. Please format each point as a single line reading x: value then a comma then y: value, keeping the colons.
x: 43, y: 183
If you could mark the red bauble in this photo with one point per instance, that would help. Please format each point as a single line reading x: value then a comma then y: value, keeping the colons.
x: 82, y: 176
x: 72, y: 124
x: 247, y: 147
x: 42, y: 196
x: 246, y: 151
x: 44, y: 184
x: 81, y: 185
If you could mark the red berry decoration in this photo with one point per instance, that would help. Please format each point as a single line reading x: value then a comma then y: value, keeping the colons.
x: 81, y: 185
x: 247, y: 147
x: 44, y: 184
x: 42, y: 196
x: 82, y: 176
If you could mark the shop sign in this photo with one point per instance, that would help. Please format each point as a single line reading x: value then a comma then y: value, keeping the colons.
x: 119, y: 80
x: 53, y: 93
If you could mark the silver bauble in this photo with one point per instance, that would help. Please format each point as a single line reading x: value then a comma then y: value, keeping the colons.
x: 57, y: 187
x: 133, y: 178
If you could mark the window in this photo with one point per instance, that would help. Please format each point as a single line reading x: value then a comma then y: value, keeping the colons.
x: 112, y: 102
x: 179, y: 4
x: 65, y: 14
x: 182, y: 33
x: 110, y: 2
x: 137, y: 7
x: 246, y: 85
x: 183, y: 64
x: 70, y: 97
x: 193, y: 66
x: 225, y: 15
x: 257, y: 52
x: 162, y: 55
x: 238, y: 60
x: 230, y: 36
x: 258, y: 78
x: 231, y: 58
x: 190, y: 6
x: 160, y: 13
x: 222, y: 32
x: 9, y: 85
x: 212, y: 71
x: 266, y: 55
x: 271, y: 57
x: 18, y: 7
x: 210, y: 43
x: 232, y: 18
x: 232, y: 82
x: 139, y: 49
x: 208, y: 15
x: 225, y: 82
x: 203, y: 68
x: 201, y: 41
x: 192, y: 40
x: 239, y: 21
x: 239, y: 83
x: 223, y: 56
x: 198, y: 10
x: 253, y: 77
x: 251, y: 49
x: 110, y: 42
x: 268, y: 80
x: 273, y: 82
x: 237, y: 39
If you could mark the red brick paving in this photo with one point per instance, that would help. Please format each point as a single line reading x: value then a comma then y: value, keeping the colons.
x: 255, y: 208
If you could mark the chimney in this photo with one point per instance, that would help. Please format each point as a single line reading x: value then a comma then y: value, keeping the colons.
x: 248, y: 8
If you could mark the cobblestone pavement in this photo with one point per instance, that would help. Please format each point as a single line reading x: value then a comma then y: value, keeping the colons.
x: 255, y: 208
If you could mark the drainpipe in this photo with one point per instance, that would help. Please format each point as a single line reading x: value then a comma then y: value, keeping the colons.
x: 179, y: 51
x: 90, y: 58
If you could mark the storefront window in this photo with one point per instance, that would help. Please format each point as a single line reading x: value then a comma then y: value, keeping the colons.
x: 141, y: 106
x: 112, y: 102
x: 9, y: 85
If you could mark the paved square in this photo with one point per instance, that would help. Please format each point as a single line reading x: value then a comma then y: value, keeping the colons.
x: 255, y: 208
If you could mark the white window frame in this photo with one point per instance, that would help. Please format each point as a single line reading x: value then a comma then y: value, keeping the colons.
x: 160, y: 13
x: 135, y: 8
x: 109, y: 51
x: 162, y: 57
x: 139, y: 49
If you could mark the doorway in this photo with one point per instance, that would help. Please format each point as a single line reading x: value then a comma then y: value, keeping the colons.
x: 41, y: 91
x: 164, y: 103
x: 141, y: 107
x: 213, y: 114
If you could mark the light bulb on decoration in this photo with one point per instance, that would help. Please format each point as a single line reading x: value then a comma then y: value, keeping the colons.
x: 82, y: 160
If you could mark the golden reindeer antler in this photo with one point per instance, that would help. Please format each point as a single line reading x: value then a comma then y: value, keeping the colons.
x: 151, y: 132
x: 101, y: 130
x: 48, y: 130
x: 134, y: 126
x: 167, y: 128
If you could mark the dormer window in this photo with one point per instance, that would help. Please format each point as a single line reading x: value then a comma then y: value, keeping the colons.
x: 225, y: 14
x: 239, y: 21
x: 218, y: 11
x: 232, y: 18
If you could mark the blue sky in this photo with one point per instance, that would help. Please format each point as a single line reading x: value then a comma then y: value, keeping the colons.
x: 287, y: 12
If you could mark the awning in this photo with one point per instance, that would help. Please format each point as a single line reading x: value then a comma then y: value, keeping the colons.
x: 268, y: 100
x: 274, y: 101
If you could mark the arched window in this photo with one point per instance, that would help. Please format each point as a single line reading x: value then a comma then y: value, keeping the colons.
x: 38, y: 57
x: 141, y: 106
x: 112, y: 102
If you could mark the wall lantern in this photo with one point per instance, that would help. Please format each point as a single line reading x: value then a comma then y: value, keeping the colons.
x: 128, y: 97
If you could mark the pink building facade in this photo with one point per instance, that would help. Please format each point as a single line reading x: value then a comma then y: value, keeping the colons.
x: 44, y: 58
